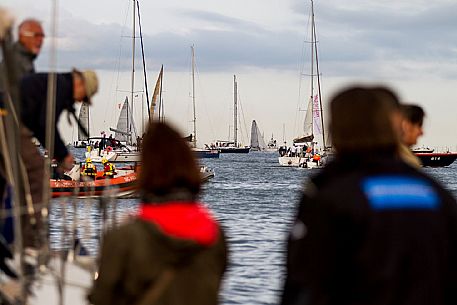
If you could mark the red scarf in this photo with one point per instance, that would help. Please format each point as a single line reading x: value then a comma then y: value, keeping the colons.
x: 185, y: 220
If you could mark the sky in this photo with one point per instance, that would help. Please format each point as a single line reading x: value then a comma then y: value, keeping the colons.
x: 409, y: 46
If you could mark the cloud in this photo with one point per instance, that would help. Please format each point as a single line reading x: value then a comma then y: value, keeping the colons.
x: 408, y: 36
x: 232, y: 43
x: 353, y: 37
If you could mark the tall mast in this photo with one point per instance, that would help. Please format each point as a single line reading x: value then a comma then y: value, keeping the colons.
x: 318, y: 77
x: 194, y: 121
x: 129, y: 129
x: 235, y: 110
x: 313, y: 45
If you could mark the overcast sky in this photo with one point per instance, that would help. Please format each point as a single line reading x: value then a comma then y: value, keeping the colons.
x: 409, y: 45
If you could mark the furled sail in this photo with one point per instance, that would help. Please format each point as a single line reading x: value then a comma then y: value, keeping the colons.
x: 84, y: 120
x: 257, y: 141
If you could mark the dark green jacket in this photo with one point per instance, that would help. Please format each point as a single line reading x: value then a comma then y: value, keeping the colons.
x: 135, y: 256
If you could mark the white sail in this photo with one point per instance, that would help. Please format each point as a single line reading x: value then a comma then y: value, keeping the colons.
x: 257, y: 140
x: 84, y: 120
x: 125, y: 129
x: 308, y: 134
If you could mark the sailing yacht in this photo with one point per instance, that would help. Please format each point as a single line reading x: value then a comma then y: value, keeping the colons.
x: 307, y: 151
x: 233, y: 146
x: 198, y: 152
x: 272, y: 144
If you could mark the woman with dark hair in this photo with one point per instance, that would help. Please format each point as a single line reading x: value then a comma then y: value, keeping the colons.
x: 173, y: 252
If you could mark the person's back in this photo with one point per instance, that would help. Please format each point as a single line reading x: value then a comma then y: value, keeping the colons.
x: 391, y: 240
x: 370, y: 229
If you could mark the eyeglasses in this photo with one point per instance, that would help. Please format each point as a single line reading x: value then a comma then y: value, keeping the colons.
x: 32, y: 34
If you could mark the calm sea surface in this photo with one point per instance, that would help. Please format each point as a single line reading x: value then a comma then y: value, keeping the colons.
x: 253, y: 198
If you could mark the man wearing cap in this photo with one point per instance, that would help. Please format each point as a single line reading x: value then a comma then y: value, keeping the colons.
x: 70, y: 87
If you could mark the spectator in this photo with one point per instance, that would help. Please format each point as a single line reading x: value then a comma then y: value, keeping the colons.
x: 370, y: 229
x: 174, y: 251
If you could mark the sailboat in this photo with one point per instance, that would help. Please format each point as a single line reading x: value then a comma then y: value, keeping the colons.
x: 305, y: 151
x: 272, y: 144
x: 257, y: 141
x: 233, y: 146
x: 198, y: 152
x: 84, y: 120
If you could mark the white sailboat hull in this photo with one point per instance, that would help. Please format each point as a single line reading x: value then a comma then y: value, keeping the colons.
x: 114, y: 156
x: 302, y: 162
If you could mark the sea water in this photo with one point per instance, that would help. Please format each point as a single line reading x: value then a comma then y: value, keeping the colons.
x: 253, y: 197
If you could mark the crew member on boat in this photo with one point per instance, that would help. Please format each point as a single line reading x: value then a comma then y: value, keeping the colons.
x: 109, y: 170
x: 89, y: 169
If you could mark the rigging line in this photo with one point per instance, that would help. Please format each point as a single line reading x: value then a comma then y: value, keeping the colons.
x: 203, y: 95
x: 301, y: 69
x: 50, y: 136
x: 244, y: 120
x: 144, y: 61
x: 113, y: 93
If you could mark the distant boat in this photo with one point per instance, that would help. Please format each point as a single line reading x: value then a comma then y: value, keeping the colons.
x: 272, y: 145
x: 198, y: 152
x: 304, y: 152
x: 257, y: 141
x: 233, y: 146
x: 429, y: 158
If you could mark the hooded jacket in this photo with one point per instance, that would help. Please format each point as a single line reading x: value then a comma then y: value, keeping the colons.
x: 33, y: 106
x: 181, y: 237
x: 372, y: 230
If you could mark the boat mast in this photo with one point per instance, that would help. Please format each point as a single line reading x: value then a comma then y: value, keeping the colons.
x: 144, y: 68
x: 88, y: 123
x: 235, y: 110
x: 313, y: 47
x: 194, y: 121
x: 129, y: 129
x: 318, y: 78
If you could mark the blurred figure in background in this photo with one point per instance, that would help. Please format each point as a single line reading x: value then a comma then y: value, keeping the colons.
x: 109, y: 170
x: 26, y: 49
x: 23, y: 53
x: 89, y: 170
x: 174, y: 251
x: 370, y: 229
x: 411, y: 130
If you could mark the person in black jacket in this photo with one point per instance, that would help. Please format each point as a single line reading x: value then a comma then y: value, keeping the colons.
x: 71, y: 87
x: 371, y: 229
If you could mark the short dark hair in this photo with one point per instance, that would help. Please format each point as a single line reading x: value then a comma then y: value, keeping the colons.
x: 413, y: 113
x: 168, y: 163
x: 361, y: 120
